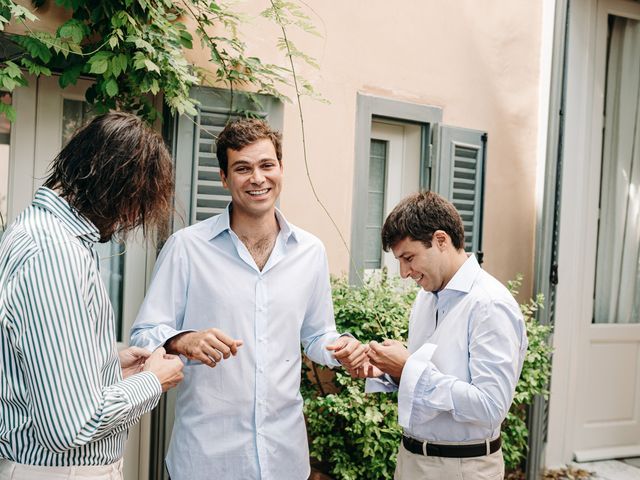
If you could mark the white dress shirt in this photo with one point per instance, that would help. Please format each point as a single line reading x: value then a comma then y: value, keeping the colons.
x: 459, y: 382
x: 242, y: 419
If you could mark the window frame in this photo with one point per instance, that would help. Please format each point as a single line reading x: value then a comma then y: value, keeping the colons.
x: 368, y: 107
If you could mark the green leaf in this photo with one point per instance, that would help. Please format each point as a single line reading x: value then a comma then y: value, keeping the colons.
x: 70, y: 75
x: 123, y: 62
x: 12, y: 70
x: 152, y: 67
x: 186, y: 40
x: 99, y: 63
x: 36, y: 48
x: 19, y: 11
x: 116, y: 67
x: 111, y: 87
x: 35, y: 68
x: 73, y: 29
x: 8, y: 111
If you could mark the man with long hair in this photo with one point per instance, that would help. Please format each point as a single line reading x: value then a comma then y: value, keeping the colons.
x: 67, y: 396
x: 244, y: 277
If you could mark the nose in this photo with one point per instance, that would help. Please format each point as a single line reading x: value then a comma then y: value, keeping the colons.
x: 257, y: 177
x: 404, y: 269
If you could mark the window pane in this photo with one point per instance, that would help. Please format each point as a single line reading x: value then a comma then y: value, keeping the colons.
x: 5, y: 134
x: 617, y: 285
x: 375, y: 210
x: 75, y: 114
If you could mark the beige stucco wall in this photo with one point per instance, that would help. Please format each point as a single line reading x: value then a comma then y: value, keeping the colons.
x: 479, y: 61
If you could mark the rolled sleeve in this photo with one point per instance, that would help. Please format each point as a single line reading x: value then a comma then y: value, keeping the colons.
x: 319, y: 328
x: 162, y: 313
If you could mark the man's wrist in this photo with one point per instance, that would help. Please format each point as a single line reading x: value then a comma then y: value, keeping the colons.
x: 174, y: 344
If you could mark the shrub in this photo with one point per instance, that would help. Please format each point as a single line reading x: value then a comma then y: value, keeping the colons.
x: 356, y: 436
x: 534, y: 380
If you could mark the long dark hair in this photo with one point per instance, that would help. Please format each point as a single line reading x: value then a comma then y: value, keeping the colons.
x: 117, y: 172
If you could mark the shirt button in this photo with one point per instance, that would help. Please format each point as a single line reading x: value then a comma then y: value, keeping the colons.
x: 261, y: 370
x: 261, y: 340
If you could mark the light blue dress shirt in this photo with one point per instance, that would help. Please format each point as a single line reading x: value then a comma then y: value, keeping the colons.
x: 459, y: 382
x: 242, y: 419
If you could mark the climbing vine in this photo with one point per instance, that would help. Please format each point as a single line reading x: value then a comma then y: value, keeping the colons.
x: 134, y: 49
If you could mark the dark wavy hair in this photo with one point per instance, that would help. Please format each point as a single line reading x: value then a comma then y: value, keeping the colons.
x: 117, y: 172
x: 418, y: 216
x: 245, y: 131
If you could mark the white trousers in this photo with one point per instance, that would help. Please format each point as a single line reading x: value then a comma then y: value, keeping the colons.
x: 15, y: 471
x: 412, y: 466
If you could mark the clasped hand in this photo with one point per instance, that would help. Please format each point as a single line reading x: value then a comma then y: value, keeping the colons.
x: 349, y: 352
x: 207, y: 346
x: 387, y: 357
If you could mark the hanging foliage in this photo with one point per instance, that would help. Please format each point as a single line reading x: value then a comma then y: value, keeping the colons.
x: 134, y: 49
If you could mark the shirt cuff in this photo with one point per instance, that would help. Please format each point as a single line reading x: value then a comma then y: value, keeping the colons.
x: 156, y: 337
x: 411, y: 374
x: 333, y: 361
x: 384, y: 384
x: 143, y: 391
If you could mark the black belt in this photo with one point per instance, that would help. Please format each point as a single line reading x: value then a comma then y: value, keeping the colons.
x: 450, y: 451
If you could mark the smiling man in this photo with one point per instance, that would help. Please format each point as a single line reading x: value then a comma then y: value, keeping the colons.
x: 467, y: 342
x: 247, y: 284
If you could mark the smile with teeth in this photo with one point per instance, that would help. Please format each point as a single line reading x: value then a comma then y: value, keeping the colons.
x: 258, y: 192
x: 417, y: 279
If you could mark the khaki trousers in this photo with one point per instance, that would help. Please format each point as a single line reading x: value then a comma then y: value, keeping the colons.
x: 412, y: 466
x: 15, y: 471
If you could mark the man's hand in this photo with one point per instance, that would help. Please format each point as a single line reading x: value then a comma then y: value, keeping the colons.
x: 208, y: 346
x: 132, y: 360
x: 389, y: 356
x: 168, y: 368
x: 366, y: 371
x: 349, y: 352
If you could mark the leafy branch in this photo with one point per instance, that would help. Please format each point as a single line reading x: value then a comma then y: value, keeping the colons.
x: 135, y: 49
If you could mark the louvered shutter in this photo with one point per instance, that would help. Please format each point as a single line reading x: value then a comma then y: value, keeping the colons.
x: 459, y: 177
x: 209, y: 197
x: 199, y: 190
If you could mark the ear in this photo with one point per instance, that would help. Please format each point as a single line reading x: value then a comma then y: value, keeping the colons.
x: 223, y: 177
x: 440, y: 239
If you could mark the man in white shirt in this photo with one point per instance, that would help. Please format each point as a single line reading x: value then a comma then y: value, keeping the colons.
x: 247, y: 284
x: 467, y: 342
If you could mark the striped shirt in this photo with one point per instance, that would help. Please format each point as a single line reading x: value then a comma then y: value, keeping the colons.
x: 63, y: 401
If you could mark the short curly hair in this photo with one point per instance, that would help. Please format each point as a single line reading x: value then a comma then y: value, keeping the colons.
x: 418, y: 216
x: 245, y: 131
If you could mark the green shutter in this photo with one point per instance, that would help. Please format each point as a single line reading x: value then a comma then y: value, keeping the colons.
x: 459, y: 176
x: 375, y: 210
x: 199, y: 190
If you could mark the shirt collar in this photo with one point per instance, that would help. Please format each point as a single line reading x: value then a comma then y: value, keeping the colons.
x: 224, y: 224
x: 466, y: 275
x: 73, y: 221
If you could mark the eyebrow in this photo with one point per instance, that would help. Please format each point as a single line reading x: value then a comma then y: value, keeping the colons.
x: 246, y: 162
